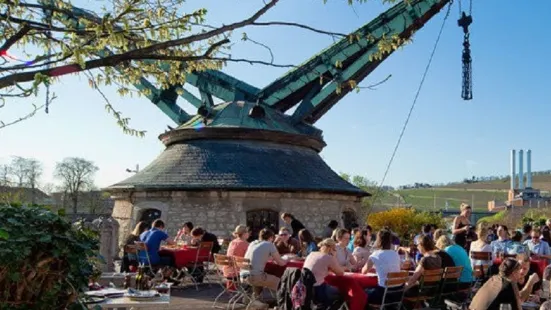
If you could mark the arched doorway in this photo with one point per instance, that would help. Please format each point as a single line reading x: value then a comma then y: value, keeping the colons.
x: 349, y: 219
x: 149, y: 215
x: 260, y: 219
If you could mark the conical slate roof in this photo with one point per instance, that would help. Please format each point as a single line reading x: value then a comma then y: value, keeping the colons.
x: 232, y: 151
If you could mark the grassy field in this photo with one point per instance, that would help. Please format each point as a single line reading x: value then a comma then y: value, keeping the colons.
x: 476, y: 194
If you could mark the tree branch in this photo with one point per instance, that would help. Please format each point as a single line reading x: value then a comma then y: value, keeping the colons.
x: 13, y: 39
x: 29, y: 115
x: 114, y: 60
x: 278, y: 23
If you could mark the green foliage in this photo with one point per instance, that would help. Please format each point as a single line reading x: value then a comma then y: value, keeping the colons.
x: 45, y: 262
x: 403, y: 221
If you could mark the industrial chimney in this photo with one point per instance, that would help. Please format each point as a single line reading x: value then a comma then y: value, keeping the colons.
x: 520, y: 169
x: 513, y: 169
x: 529, y: 168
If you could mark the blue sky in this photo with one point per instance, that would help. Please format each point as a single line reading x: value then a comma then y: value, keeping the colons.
x: 447, y: 138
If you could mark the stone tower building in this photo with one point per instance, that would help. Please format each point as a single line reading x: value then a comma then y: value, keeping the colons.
x: 230, y: 167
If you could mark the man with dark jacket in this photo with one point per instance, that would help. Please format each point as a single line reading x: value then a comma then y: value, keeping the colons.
x: 296, y: 225
x: 199, y: 233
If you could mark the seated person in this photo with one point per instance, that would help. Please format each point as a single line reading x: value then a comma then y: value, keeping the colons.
x: 259, y: 253
x: 500, y: 289
x: 538, y: 247
x: 237, y: 248
x: 320, y: 263
x: 152, y: 239
x: 184, y: 234
x: 503, y: 244
x: 199, y: 235
x: 429, y: 261
x: 360, y: 252
x: 285, y: 244
x: 307, y: 243
x: 460, y: 259
x: 528, y: 278
x: 385, y: 260
x: 130, y: 258
x: 344, y: 256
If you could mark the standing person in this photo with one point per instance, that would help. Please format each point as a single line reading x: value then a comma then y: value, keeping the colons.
x: 462, y: 225
x: 296, y: 225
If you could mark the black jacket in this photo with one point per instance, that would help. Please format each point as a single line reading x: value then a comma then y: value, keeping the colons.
x: 208, y: 237
x: 286, y: 284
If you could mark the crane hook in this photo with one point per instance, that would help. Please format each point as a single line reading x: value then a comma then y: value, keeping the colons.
x: 467, y: 88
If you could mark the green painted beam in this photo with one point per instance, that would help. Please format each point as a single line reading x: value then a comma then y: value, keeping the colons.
x: 393, y: 21
x: 362, y: 66
x: 206, y: 99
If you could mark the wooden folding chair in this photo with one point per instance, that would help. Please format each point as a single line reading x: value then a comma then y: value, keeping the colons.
x: 427, y: 290
x: 394, y: 290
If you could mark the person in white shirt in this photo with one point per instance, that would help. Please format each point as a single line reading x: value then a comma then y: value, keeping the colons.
x: 481, y: 245
x: 385, y: 260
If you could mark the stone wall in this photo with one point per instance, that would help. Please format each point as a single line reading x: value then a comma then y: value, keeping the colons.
x: 220, y: 211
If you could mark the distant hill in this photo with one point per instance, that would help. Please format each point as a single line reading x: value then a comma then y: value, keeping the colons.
x: 479, y: 192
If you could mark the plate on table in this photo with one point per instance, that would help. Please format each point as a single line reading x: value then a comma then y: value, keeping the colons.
x: 142, y: 295
x: 93, y: 300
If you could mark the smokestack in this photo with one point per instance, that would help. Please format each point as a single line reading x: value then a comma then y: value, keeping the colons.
x: 513, y: 169
x: 529, y: 168
x: 520, y: 169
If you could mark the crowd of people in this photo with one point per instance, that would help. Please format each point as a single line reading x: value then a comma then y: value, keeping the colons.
x: 338, y: 250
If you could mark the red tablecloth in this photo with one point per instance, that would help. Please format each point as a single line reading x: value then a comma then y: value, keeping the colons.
x: 351, y: 285
x: 277, y: 270
x: 537, y: 265
x: 184, y: 256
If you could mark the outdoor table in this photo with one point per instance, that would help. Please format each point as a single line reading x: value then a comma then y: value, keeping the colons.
x: 351, y: 285
x: 277, y: 270
x: 184, y: 256
x: 126, y: 303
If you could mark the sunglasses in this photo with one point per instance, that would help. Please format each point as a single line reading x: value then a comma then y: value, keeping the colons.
x: 283, y: 235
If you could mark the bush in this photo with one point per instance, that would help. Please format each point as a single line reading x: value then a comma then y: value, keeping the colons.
x: 45, y: 262
x: 403, y: 221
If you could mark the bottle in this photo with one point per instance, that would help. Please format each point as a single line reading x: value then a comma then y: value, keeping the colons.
x: 139, y: 277
x: 127, y: 281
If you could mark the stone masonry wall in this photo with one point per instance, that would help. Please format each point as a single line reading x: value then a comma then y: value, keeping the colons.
x: 220, y: 211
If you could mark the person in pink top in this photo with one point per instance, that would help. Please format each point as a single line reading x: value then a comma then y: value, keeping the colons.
x: 320, y: 263
x: 238, y: 247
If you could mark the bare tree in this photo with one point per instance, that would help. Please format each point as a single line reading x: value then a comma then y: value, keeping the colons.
x: 48, y: 188
x: 34, y: 172
x: 5, y: 178
x: 18, y: 168
x: 76, y: 175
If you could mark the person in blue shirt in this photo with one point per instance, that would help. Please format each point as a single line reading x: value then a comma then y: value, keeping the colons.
x: 153, y: 239
x: 537, y: 246
x: 307, y: 243
x: 503, y: 243
x: 459, y: 257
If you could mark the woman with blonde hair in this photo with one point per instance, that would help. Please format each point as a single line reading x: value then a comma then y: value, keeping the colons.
x: 481, y: 245
x: 237, y: 248
x: 320, y: 263
x: 462, y: 225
